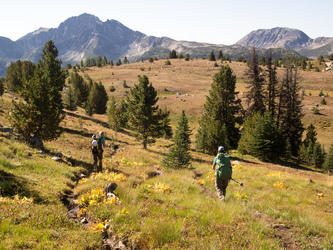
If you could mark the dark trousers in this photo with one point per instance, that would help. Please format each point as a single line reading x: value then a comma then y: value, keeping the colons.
x: 221, y: 186
x: 98, y: 158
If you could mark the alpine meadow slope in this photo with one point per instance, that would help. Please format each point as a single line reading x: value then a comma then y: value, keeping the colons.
x: 59, y: 203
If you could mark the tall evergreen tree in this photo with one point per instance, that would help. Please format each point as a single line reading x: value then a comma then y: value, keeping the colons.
x: 69, y: 100
x: 97, y: 99
x: 114, y: 114
x: 256, y: 94
x: 42, y: 110
x: 17, y: 73
x: 290, y: 109
x: 328, y: 164
x: 318, y: 156
x: 222, y: 114
x: 267, y: 142
x: 220, y: 55
x: 211, y: 56
x: 173, y: 54
x: 143, y: 111
x: 272, y: 85
x: 99, y: 61
x: 166, y: 130
x: 179, y: 154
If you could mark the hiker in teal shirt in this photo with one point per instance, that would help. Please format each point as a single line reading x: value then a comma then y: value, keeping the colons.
x: 223, y: 172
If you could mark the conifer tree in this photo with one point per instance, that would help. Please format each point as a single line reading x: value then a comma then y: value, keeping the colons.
x: 114, y: 114
x: 179, y: 154
x: 42, y: 110
x: 143, y: 111
x: 267, y: 142
x: 211, y: 56
x: 218, y: 125
x: 173, y: 54
x: 99, y: 61
x: 220, y: 55
x: 328, y: 164
x: 166, y: 130
x: 97, y: 99
x: 17, y: 73
x: 290, y: 109
x: 70, y: 101
x: 318, y: 156
x: 256, y: 95
x: 272, y: 85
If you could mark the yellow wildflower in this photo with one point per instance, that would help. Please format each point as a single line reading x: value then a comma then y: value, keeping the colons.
x: 275, y: 174
x: 240, y: 196
x: 200, y: 181
x: 279, y: 184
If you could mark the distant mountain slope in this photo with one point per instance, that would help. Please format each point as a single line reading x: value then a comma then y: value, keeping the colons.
x: 10, y: 49
x: 86, y: 35
x: 282, y: 38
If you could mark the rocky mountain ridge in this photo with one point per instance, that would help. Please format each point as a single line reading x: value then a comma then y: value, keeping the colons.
x: 87, y: 36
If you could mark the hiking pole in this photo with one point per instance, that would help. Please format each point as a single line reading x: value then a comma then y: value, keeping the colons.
x: 241, y: 184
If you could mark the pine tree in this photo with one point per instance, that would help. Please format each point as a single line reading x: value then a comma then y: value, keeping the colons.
x: 256, y: 95
x: 328, y: 164
x: 70, y: 101
x: 97, y: 99
x: 267, y: 142
x: 220, y: 55
x: 143, y: 112
x: 173, y: 54
x: 42, y: 110
x: 290, y: 109
x: 99, y: 61
x: 272, y: 85
x: 17, y: 73
x: 211, y: 56
x: 166, y: 130
x: 114, y: 114
x: 179, y: 154
x: 318, y: 156
x: 222, y: 109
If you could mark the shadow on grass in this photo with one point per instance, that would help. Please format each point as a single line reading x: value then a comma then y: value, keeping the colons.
x: 11, y: 185
x: 86, y: 118
x: 295, y: 166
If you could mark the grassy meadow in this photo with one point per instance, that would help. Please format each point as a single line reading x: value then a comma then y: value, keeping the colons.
x: 162, y: 208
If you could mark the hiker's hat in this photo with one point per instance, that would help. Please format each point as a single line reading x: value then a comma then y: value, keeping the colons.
x: 221, y: 148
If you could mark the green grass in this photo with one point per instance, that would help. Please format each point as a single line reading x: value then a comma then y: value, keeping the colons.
x: 189, y: 216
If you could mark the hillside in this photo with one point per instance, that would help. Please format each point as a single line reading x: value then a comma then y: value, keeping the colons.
x: 277, y: 207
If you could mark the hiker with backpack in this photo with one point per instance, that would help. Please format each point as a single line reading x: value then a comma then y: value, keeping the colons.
x: 223, y: 172
x: 97, y: 145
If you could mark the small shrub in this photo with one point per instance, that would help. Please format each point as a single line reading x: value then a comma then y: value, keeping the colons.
x: 315, y: 110
x: 317, y: 69
x: 323, y: 101
x: 112, y: 88
x: 142, y: 68
x: 167, y: 62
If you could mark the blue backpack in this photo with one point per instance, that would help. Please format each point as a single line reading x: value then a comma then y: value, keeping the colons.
x: 223, y: 169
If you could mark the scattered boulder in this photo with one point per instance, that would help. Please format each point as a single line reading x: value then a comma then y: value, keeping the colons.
x: 60, y: 155
x: 56, y: 158
x: 309, y: 180
x: 36, y: 142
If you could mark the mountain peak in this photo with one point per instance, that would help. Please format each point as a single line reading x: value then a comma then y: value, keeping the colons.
x: 275, y: 38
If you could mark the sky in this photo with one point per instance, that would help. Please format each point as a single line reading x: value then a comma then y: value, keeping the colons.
x: 211, y: 21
